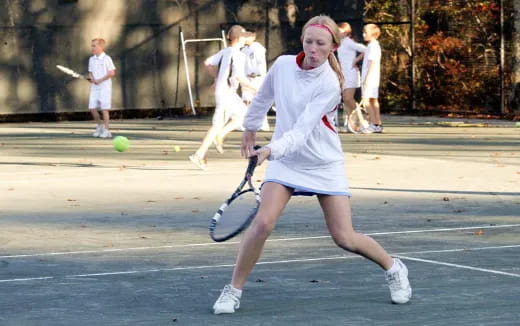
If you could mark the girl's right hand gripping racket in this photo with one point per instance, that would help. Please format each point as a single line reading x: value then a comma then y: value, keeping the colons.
x: 237, y: 212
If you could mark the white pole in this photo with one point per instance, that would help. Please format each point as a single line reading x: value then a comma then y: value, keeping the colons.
x: 186, y: 68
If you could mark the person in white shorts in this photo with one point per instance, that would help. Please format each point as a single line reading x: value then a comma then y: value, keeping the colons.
x: 227, y: 67
x: 370, y: 76
x: 349, y: 54
x: 305, y: 157
x: 255, y: 70
x: 101, y: 70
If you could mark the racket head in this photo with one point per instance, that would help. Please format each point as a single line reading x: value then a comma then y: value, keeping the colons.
x: 70, y: 72
x: 238, y: 211
x: 358, y: 119
x: 235, y: 215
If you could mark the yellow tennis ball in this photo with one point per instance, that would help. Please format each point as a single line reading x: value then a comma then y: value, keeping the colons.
x: 121, y: 143
x: 176, y: 148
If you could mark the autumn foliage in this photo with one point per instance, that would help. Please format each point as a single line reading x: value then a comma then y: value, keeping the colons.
x: 456, y: 55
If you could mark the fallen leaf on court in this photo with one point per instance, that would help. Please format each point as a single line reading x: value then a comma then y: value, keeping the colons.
x: 446, y: 199
x: 319, y: 281
x: 385, y: 202
x: 204, y: 277
x: 179, y: 197
x: 174, y: 320
x: 165, y: 152
x: 12, y: 189
x: 479, y: 232
x: 123, y: 214
x: 196, y: 198
x: 143, y: 237
x: 195, y: 211
x: 259, y: 281
x: 377, y: 158
x: 151, y: 201
x: 122, y: 167
x: 429, y: 220
x: 83, y: 226
x: 71, y: 199
x: 258, y: 180
x: 458, y: 210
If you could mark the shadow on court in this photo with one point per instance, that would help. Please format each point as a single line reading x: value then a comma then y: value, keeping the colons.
x: 92, y: 236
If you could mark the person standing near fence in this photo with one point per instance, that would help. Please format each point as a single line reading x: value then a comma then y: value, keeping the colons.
x: 255, y: 69
x: 370, y: 77
x: 227, y: 68
x: 348, y: 59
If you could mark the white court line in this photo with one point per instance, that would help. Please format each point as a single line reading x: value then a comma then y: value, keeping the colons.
x: 458, y: 266
x: 236, y: 242
x: 301, y: 260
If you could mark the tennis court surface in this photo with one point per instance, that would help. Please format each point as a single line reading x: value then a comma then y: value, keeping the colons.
x: 90, y: 236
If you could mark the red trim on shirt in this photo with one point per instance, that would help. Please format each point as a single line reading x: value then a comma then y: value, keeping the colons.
x: 299, y: 59
x: 327, y: 123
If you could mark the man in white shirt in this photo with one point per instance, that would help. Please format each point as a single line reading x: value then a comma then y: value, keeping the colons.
x: 101, y: 69
x: 227, y: 67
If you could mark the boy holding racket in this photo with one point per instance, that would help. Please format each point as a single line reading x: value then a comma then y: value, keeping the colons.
x: 370, y: 76
x: 305, y: 157
x: 101, y: 69
x: 227, y: 68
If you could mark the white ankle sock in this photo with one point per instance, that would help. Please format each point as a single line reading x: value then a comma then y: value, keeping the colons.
x: 395, y: 267
x: 238, y: 291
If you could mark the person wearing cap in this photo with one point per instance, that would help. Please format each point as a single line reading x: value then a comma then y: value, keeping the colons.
x: 227, y: 68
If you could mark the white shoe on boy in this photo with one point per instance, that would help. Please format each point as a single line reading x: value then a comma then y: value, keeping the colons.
x: 105, y: 133
x: 228, y: 302
x: 99, y: 129
x: 397, y: 278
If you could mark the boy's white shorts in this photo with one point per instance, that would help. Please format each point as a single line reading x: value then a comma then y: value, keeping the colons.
x: 370, y: 92
x: 228, y: 106
x: 100, y: 99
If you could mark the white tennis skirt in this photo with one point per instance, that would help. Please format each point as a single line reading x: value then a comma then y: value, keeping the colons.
x: 327, y: 180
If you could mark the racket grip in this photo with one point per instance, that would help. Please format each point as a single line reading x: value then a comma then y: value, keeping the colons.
x: 253, y: 160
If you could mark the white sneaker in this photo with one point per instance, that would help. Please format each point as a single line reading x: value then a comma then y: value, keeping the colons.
x: 228, y: 301
x: 366, y: 130
x: 400, y: 289
x: 378, y: 129
x: 99, y: 129
x: 219, y: 144
x: 198, y: 161
x: 105, y: 133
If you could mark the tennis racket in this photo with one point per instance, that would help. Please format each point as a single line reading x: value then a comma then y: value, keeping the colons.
x: 72, y: 73
x: 237, y: 212
x: 358, y: 119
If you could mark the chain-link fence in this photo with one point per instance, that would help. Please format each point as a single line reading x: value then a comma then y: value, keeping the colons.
x: 441, y: 56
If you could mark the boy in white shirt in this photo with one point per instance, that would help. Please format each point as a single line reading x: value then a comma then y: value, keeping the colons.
x: 227, y: 67
x: 255, y: 70
x: 370, y: 77
x: 101, y: 69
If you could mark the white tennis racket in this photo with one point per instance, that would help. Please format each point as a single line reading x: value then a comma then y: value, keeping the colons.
x: 358, y: 119
x: 72, y: 73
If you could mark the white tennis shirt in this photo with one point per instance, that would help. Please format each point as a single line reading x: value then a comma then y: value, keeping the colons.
x: 347, y: 53
x: 99, y: 66
x: 306, y: 152
x: 372, y: 53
